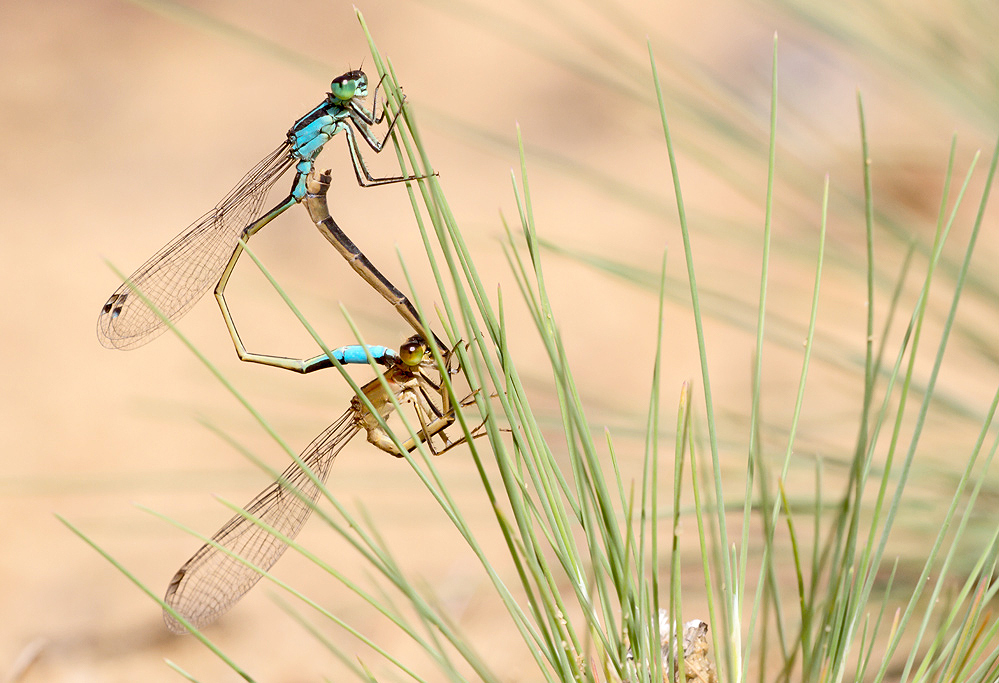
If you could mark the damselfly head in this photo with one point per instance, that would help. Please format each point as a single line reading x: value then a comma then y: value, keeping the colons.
x: 413, y: 351
x: 350, y: 85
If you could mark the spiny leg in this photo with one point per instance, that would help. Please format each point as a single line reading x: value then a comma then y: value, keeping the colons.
x: 446, y: 417
x: 380, y: 437
x: 438, y: 427
x: 372, y: 117
x: 361, y: 172
x: 433, y: 420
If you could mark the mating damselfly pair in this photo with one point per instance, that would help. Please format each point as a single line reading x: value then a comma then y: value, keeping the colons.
x: 204, y: 255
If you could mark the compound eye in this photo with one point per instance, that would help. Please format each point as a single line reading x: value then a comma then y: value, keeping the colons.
x: 412, y: 352
x: 343, y: 87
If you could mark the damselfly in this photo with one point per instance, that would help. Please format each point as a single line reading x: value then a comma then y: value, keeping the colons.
x: 181, y: 272
x: 213, y: 580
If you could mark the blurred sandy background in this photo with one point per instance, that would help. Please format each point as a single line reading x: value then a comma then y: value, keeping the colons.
x: 120, y: 125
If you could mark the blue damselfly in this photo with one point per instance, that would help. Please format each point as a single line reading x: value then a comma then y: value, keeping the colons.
x: 178, y: 275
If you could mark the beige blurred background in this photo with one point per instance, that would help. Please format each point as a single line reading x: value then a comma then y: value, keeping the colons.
x: 122, y: 123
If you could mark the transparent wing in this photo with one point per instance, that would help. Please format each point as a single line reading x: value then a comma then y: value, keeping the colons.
x: 212, y: 581
x: 181, y: 272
